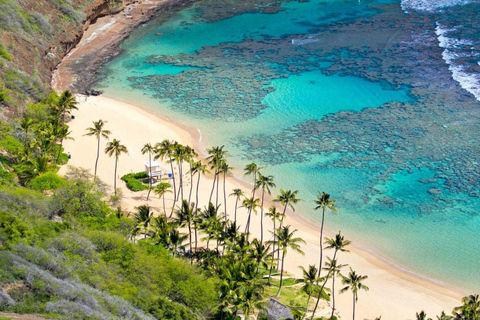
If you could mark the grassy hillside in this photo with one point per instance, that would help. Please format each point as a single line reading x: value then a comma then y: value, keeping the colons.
x: 34, y: 36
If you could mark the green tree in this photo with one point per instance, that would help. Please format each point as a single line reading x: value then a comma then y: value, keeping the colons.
x: 115, y: 148
x: 164, y: 150
x: 98, y: 131
x: 287, y: 240
x: 323, y: 202
x: 185, y: 215
x: 353, y: 282
x: 237, y: 193
x: 333, y: 268
x: 198, y: 168
x: 216, y: 155
x: 224, y: 169
x: 250, y: 204
x: 161, y: 189
x: 65, y: 104
x: 150, y: 149
x: 265, y: 183
x: 309, y: 280
x: 252, y: 169
x: 142, y: 218
x: 338, y: 244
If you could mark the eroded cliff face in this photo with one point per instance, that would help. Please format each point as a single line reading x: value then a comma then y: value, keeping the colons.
x: 34, y: 36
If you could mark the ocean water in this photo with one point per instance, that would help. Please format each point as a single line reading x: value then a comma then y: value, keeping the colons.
x: 373, y: 101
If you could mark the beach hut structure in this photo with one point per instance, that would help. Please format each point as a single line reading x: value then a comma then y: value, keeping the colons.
x: 153, y: 170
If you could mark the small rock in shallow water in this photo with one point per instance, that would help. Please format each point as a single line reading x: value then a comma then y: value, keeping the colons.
x: 435, y: 191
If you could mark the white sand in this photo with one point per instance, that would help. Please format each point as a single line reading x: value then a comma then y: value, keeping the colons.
x: 393, y: 294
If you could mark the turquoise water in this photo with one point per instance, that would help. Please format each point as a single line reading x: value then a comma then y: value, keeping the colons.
x: 348, y: 97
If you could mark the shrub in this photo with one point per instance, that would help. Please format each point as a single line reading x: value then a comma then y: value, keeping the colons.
x: 133, y: 183
x: 4, y: 54
x: 47, y: 181
x: 13, y: 230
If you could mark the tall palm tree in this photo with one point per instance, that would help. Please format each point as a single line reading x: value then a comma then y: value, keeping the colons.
x: 237, y: 193
x: 260, y: 253
x: 185, y: 215
x: 149, y: 148
x: 470, y: 308
x: 216, y: 154
x: 98, y: 131
x: 253, y: 169
x: 114, y: 148
x: 66, y: 103
x: 225, y: 169
x: 286, y: 240
x: 250, y: 204
x: 333, y: 268
x: 143, y: 217
x: 338, y: 244
x: 287, y: 198
x: 274, y: 215
x: 354, y: 283
x: 309, y: 280
x: 161, y: 189
x: 323, y: 202
x: 164, y: 150
x: 264, y: 182
x: 200, y: 169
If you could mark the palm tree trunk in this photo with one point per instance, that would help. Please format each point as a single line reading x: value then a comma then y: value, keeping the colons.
x: 150, y: 178
x: 191, y: 185
x: 281, y: 276
x: 115, y: 177
x: 216, y: 196
x: 213, y: 188
x: 333, y: 294
x: 280, y: 227
x: 180, y: 172
x: 196, y: 191
x: 174, y: 184
x: 247, y: 227
x: 225, y: 194
x: 98, y: 156
x: 354, y: 300
x: 236, y: 204
x: 190, y: 242
x: 308, y: 300
x: 261, y: 218
x: 321, y: 243
x: 164, y: 209
x: 323, y: 286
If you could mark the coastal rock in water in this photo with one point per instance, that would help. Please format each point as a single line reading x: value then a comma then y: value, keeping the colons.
x: 276, y: 310
x: 435, y: 191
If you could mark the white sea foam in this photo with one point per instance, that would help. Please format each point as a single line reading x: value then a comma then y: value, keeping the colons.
x: 311, y: 38
x: 468, y: 81
x: 432, y: 5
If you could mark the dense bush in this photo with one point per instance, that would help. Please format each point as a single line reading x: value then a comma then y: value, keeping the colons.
x: 133, y: 181
x: 46, y: 182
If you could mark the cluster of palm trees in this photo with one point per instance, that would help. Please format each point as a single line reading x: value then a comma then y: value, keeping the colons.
x: 469, y: 310
x: 217, y: 242
x: 40, y: 133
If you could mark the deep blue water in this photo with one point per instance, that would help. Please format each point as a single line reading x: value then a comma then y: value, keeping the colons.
x: 374, y: 102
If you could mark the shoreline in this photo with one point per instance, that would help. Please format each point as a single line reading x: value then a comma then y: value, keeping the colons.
x: 414, y: 289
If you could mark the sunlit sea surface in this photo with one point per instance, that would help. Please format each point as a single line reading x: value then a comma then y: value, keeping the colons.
x: 375, y: 102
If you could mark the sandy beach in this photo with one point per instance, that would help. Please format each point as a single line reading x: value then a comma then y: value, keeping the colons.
x: 394, y: 294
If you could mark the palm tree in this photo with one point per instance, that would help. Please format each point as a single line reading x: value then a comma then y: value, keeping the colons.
x: 161, y: 189
x: 225, y: 169
x: 116, y: 149
x: 333, y: 268
x: 142, y: 218
x: 149, y: 148
x: 185, y: 216
x: 285, y: 240
x: 216, y: 154
x: 354, y: 283
x: 208, y: 220
x: 62, y: 134
x: 274, y: 215
x: 323, y: 201
x: 250, y: 204
x: 287, y: 198
x: 237, y: 193
x: 164, y: 150
x: 309, y: 280
x: 264, y: 182
x: 98, y: 131
x: 338, y: 244
x: 260, y: 253
x: 200, y: 169
x: 250, y: 169
x: 66, y: 103
x: 470, y: 308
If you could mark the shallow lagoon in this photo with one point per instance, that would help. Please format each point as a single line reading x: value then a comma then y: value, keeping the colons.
x: 347, y: 97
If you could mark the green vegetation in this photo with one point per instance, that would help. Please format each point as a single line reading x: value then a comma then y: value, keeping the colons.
x: 135, y: 181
